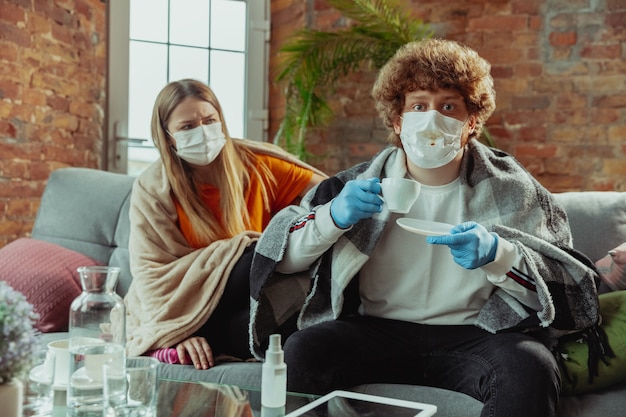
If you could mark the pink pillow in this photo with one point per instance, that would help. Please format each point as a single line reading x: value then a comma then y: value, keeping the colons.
x: 46, y: 274
x: 612, y: 268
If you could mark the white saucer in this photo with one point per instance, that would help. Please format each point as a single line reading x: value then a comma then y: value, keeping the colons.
x: 424, y: 227
x: 36, y: 374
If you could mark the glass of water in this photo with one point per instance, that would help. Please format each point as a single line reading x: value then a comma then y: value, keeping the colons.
x: 130, y: 387
x: 38, y: 390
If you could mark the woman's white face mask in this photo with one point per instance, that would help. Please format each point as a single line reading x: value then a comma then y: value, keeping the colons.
x: 430, y: 139
x: 200, y: 145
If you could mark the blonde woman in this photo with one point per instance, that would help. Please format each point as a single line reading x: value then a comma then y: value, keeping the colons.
x: 195, y: 216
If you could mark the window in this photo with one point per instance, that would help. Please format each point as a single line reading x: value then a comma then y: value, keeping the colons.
x: 220, y: 42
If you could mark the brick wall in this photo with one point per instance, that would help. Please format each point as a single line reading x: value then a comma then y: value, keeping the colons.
x: 52, y: 85
x: 559, y: 68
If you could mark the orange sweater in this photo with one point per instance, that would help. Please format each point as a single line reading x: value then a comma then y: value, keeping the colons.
x: 290, y: 181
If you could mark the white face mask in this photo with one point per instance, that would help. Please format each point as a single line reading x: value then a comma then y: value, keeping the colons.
x: 430, y: 139
x: 200, y: 145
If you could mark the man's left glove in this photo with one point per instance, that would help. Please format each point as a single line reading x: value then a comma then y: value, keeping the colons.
x: 471, y: 245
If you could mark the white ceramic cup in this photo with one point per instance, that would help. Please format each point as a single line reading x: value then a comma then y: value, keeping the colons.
x: 399, y: 194
x: 61, y: 361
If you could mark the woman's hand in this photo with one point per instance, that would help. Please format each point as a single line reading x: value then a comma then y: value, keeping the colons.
x: 198, y: 350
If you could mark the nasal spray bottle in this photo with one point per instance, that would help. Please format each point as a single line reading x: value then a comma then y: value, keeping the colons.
x: 274, y: 380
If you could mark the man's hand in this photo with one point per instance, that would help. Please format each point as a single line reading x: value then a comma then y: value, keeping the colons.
x: 471, y: 245
x: 358, y: 200
x: 198, y: 350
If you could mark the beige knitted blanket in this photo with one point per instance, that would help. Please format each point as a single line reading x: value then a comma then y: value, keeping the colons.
x: 175, y: 287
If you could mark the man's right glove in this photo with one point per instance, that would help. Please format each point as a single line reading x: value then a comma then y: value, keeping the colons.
x: 358, y: 200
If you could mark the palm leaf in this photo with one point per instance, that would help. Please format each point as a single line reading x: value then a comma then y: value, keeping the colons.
x: 312, y: 62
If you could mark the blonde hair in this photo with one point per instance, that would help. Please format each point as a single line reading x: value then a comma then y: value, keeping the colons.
x: 230, y: 172
x: 433, y: 64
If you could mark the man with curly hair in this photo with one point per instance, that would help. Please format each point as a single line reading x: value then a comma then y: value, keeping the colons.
x: 476, y: 310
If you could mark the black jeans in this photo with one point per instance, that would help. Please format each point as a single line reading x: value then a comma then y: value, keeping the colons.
x: 513, y: 374
x: 227, y: 328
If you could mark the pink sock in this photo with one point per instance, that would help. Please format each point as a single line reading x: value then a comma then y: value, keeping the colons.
x: 166, y: 355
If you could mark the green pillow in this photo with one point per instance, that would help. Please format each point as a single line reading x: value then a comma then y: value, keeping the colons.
x: 613, y: 310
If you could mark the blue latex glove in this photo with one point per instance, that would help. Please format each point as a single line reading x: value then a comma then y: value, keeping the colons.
x: 471, y: 245
x: 358, y: 200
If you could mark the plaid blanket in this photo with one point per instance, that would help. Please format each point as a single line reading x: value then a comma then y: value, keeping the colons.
x: 497, y: 192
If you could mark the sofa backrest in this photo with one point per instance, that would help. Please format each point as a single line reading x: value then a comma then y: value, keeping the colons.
x: 597, y: 220
x: 86, y: 210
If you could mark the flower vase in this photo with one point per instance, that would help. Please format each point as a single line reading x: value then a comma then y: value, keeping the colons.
x: 11, y: 398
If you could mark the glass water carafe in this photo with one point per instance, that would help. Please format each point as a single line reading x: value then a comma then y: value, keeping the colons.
x: 97, y: 333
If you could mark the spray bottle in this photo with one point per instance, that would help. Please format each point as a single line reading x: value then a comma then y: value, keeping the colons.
x: 274, y: 379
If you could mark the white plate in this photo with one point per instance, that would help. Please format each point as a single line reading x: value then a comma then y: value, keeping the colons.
x: 424, y: 227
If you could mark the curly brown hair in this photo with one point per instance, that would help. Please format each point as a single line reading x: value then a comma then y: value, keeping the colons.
x: 434, y: 64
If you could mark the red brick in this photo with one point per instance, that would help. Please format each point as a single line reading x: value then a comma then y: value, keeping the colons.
x: 10, y: 32
x: 8, y: 51
x: 503, y: 23
x: 617, y: 134
x: 531, y: 102
x: 502, y: 71
x: 571, y: 100
x: 612, y: 101
x: 539, y: 151
x: 615, y: 5
x: 572, y: 117
x: 614, y: 167
x: 535, y: 23
x: 530, y: 7
x: 19, y: 207
x: 63, y: 34
x: 35, y: 97
x: 596, y: 51
x: 9, y: 129
x: 605, y: 115
x: 563, y: 38
x: 616, y: 20
x: 532, y: 133
x: 12, y: 14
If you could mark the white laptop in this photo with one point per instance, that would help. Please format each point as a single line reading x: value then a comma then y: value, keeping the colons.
x: 353, y: 404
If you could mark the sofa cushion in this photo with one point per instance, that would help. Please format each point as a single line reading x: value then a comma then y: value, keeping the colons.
x: 46, y: 274
x: 612, y: 268
x: 86, y: 210
x: 613, y: 308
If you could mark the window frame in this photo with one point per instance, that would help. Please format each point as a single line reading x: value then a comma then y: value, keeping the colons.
x: 256, y: 123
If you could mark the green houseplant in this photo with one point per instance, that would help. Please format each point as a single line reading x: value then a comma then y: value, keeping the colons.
x: 18, y: 342
x: 314, y: 61
x: 18, y: 339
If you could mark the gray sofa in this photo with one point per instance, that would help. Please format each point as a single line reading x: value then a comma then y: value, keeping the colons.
x: 87, y: 211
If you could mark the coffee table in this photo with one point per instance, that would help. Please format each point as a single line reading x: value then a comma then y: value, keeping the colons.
x: 185, y: 398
